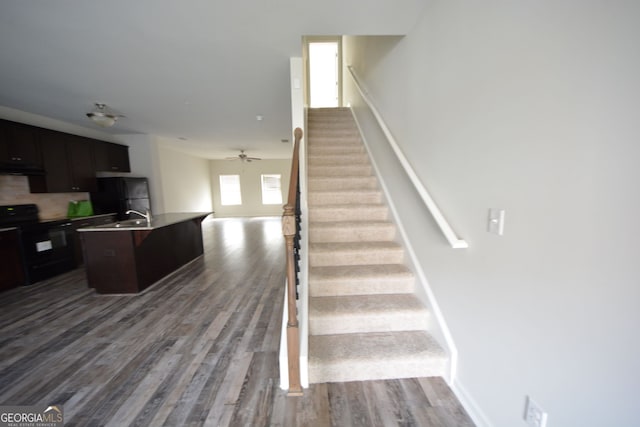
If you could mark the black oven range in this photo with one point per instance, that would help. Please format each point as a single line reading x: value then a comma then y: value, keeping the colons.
x: 46, y: 246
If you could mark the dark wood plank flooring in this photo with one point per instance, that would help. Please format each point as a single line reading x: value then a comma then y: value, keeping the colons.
x: 200, y: 347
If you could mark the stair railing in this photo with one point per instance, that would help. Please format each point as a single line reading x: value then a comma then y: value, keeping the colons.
x: 442, y: 222
x: 291, y: 232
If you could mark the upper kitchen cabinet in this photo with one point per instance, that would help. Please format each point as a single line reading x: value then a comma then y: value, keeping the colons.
x: 111, y: 157
x: 19, y: 148
x: 68, y: 162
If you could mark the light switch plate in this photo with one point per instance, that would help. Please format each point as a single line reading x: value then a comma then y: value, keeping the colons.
x: 496, y: 221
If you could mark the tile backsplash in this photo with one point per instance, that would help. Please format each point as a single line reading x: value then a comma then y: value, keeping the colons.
x: 14, y: 190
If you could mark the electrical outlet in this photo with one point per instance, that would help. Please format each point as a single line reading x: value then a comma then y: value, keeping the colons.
x: 534, y: 415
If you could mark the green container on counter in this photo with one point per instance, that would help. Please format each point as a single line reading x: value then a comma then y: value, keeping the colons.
x: 79, y: 208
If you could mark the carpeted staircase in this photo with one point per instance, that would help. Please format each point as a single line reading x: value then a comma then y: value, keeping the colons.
x: 365, y: 322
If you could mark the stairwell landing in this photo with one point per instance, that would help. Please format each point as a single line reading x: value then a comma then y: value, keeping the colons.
x: 365, y: 322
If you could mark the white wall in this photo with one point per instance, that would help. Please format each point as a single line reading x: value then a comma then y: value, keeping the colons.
x: 186, y: 186
x: 533, y: 107
x: 250, y: 183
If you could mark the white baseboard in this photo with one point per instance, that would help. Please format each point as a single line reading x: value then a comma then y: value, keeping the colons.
x: 470, y: 405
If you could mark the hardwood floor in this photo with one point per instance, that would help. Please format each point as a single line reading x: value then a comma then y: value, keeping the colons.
x: 197, y: 348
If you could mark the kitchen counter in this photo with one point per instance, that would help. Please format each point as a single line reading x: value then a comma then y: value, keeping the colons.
x: 80, y: 218
x: 76, y: 218
x: 157, y: 221
x: 127, y: 257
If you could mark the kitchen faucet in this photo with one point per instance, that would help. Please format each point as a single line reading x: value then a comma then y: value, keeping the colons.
x: 146, y: 216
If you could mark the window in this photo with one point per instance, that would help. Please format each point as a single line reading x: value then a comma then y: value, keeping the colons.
x: 230, y: 190
x: 271, y: 193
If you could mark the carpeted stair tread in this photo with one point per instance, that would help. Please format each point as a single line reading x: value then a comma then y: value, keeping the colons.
x: 333, y: 159
x: 343, y: 212
x: 365, y: 321
x: 347, y: 231
x: 342, y: 170
x: 379, y: 355
x: 366, y: 313
x: 337, y: 183
x: 364, y: 271
x: 332, y: 131
x: 360, y: 280
x: 344, y: 196
x: 335, y: 149
x: 355, y: 253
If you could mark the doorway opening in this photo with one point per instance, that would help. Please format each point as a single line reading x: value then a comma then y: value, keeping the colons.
x: 324, y: 65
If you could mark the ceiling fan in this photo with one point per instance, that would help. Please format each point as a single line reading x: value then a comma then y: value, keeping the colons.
x: 103, y: 116
x: 243, y: 157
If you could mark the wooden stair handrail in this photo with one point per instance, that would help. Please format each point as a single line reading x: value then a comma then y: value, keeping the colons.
x: 289, y: 230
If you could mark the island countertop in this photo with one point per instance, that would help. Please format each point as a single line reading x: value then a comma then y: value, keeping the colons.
x: 157, y: 221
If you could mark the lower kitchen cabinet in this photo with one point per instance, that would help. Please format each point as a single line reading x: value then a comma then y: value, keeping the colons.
x: 12, y: 271
x: 131, y: 257
x: 90, y: 221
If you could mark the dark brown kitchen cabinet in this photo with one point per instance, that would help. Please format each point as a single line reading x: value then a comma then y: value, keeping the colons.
x: 128, y: 260
x: 19, y: 146
x: 90, y: 221
x: 83, y: 171
x: 68, y: 163
x: 111, y: 157
x: 12, y: 272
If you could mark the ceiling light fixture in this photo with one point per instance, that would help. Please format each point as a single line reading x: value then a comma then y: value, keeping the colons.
x: 102, y: 116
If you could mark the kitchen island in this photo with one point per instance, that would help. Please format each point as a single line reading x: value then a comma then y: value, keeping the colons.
x: 129, y: 256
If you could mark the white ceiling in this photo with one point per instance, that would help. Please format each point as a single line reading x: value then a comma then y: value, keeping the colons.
x: 196, y: 69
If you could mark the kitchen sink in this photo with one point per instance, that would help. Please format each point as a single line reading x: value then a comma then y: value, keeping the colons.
x: 126, y: 224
